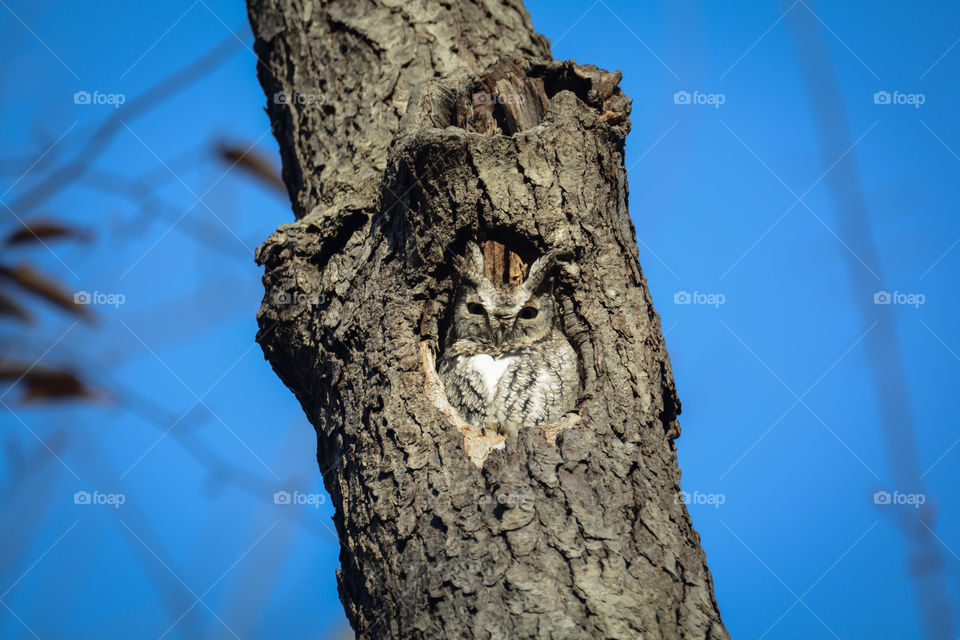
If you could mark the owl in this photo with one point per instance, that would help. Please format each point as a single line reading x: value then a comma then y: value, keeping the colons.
x: 505, y: 361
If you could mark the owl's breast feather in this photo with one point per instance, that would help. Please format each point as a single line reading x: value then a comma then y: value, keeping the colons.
x: 489, y: 369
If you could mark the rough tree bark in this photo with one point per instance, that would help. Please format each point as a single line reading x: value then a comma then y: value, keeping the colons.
x: 408, y: 129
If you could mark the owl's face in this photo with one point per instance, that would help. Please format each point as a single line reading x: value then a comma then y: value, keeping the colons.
x: 502, y: 316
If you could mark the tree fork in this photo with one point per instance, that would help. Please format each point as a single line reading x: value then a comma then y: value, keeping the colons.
x: 443, y: 124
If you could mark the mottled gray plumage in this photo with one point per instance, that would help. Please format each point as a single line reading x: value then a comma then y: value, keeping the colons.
x: 506, y: 363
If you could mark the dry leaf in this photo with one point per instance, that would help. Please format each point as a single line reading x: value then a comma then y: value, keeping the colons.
x: 36, y: 283
x: 42, y: 230
x: 10, y: 308
x: 45, y: 384
x: 253, y: 163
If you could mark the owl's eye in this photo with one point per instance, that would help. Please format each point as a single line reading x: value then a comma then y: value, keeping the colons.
x: 528, y: 313
x: 475, y: 309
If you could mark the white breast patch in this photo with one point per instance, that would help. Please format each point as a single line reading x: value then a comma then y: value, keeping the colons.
x: 490, y: 369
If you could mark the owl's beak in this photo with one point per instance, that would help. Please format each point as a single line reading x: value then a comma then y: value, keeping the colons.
x: 500, y: 331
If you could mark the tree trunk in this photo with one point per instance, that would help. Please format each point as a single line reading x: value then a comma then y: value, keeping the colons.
x: 406, y: 130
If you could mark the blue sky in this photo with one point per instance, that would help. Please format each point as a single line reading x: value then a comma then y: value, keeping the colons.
x: 781, y: 491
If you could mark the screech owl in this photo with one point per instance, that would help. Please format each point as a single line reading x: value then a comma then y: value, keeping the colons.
x: 506, y: 363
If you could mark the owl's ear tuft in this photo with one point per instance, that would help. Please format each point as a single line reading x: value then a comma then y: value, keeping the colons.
x: 470, y: 267
x: 474, y: 256
x: 540, y: 270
